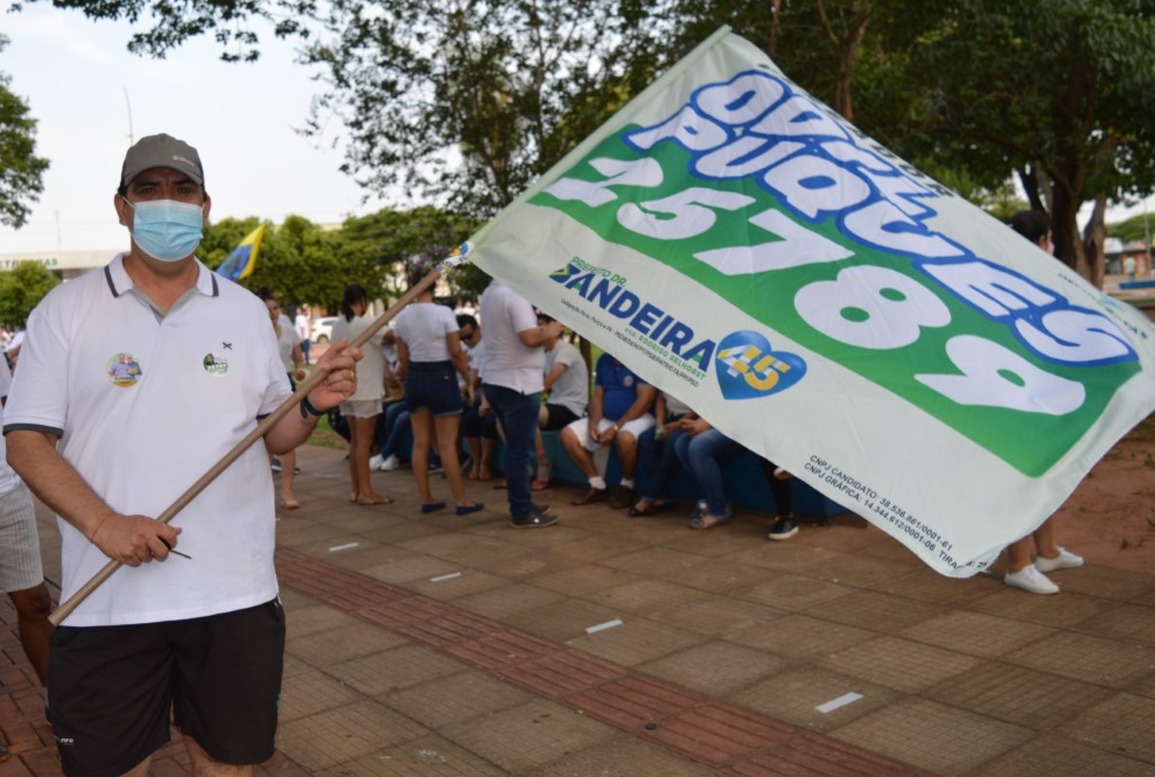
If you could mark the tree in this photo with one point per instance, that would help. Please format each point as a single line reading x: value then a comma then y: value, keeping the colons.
x: 21, y: 171
x: 21, y: 289
x: 1055, y: 90
x: 468, y: 102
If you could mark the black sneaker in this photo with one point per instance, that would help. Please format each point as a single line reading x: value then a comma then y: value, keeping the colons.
x: 591, y: 496
x: 623, y: 498
x: 783, y: 529
x: 538, y: 520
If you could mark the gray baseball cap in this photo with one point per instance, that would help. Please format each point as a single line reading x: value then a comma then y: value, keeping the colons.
x: 161, y: 151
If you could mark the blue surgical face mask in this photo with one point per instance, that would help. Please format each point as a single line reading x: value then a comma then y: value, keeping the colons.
x: 166, y: 229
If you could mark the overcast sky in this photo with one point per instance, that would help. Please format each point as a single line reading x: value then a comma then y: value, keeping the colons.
x: 84, y: 88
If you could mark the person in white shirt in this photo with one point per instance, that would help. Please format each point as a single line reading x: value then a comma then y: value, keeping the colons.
x: 133, y: 379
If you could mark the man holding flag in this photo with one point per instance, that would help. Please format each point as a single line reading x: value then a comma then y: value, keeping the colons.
x: 156, y: 353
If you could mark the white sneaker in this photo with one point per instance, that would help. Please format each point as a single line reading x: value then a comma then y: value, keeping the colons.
x: 1065, y: 560
x: 375, y: 462
x: 1030, y: 579
x: 391, y: 463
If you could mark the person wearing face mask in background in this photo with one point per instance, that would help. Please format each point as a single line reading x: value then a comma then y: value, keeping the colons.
x: 134, y: 376
x: 1021, y: 572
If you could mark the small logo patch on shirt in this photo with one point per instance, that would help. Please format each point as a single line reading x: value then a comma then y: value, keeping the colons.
x: 215, y: 364
x: 123, y: 370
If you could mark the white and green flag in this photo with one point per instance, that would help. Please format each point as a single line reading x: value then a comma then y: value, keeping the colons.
x: 824, y: 303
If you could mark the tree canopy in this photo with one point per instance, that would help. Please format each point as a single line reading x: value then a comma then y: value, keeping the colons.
x: 21, y: 171
x: 21, y: 289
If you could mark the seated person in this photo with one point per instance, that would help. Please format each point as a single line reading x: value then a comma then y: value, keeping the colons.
x: 657, y: 457
x: 619, y: 412
x: 778, y: 479
x: 567, y: 385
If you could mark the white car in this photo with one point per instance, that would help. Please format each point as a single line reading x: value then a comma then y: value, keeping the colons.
x: 323, y: 329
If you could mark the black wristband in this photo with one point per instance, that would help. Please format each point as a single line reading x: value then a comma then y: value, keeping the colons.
x: 307, y: 409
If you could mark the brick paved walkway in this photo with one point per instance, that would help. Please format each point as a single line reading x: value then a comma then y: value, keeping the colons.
x: 609, y: 646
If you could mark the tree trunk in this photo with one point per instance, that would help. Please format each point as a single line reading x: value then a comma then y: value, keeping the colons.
x: 1094, y: 242
x: 1065, y: 231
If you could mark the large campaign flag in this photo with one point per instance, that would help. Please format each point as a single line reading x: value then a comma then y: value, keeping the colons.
x: 823, y: 302
x: 243, y: 259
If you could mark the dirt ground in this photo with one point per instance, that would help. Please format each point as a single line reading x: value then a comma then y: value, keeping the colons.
x: 1110, y: 518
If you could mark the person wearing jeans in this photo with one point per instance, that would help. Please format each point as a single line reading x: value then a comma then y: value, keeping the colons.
x: 513, y: 382
x: 701, y: 450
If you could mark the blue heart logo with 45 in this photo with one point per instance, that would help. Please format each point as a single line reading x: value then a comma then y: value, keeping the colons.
x: 749, y: 368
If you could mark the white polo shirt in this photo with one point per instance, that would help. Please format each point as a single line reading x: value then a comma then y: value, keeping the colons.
x: 508, y: 362
x: 143, y: 407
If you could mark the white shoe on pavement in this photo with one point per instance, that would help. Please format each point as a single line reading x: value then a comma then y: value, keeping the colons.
x: 1031, y: 580
x: 375, y: 462
x: 391, y: 463
x: 1065, y: 560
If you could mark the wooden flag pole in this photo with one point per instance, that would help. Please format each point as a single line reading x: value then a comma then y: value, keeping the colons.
x: 65, y: 609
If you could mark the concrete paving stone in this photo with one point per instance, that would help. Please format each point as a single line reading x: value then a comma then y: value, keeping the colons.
x: 716, y: 733
x: 714, y: 668
x: 1104, y: 582
x: 1057, y: 611
x: 658, y: 562
x: 313, y: 618
x: 466, y: 549
x: 1058, y: 756
x: 1086, y: 658
x: 802, y: 637
x: 558, y: 675
x: 596, y: 548
x: 1144, y: 687
x: 976, y: 634
x: 1016, y: 694
x: 899, y: 663
x: 382, y: 673
x: 815, y: 756
x: 467, y: 581
x: 785, y: 556
x: 454, y: 698
x: 932, y: 736
x: 406, y: 570
x: 860, y: 571
x: 927, y: 585
x: 1127, y: 623
x: 337, y: 549
x: 341, y: 644
x: 439, y: 630
x: 1123, y: 724
x: 794, y: 694
x: 360, y: 521
x: 1145, y: 599
x: 369, y: 555
x: 636, y: 641
x: 645, y: 596
x: 560, y: 534
x: 304, y: 534
x: 563, y: 620
x: 842, y: 539
x: 885, y: 613
x: 432, y: 756
x: 344, y: 734
x: 508, y: 600
x: 717, y: 616
x: 311, y: 691
x: 889, y: 549
x: 736, y: 539
x: 528, y: 736
x: 402, y: 531
x: 624, y: 756
x: 41, y: 762
x: 535, y: 563
x: 792, y: 592
x: 501, y: 650
x: 720, y: 576
x: 635, y: 701
x: 583, y: 579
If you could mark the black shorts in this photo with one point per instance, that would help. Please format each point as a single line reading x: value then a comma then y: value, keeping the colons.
x: 111, y: 688
x: 433, y: 385
x: 559, y: 417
